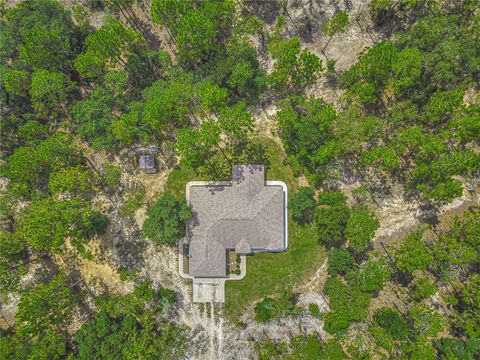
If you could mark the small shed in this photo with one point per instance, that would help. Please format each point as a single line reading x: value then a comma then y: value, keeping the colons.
x: 146, y: 162
x: 146, y: 159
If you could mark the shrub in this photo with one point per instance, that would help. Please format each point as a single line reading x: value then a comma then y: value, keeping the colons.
x: 340, y: 261
x: 372, y: 276
x: 301, y: 205
x: 269, y: 309
x: 361, y: 227
x: 265, y: 310
x: 331, y: 216
x: 314, y: 310
x: 111, y: 175
x: 337, y: 321
x: 133, y: 202
x: 426, y: 322
x: 423, y: 288
x: 393, y: 323
x: 457, y: 349
x: 413, y: 254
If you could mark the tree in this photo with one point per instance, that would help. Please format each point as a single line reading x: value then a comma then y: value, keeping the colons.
x: 240, y: 72
x: 29, y: 167
x: 42, y: 33
x: 301, y: 205
x: 366, y: 78
x: 340, y: 261
x: 306, y: 128
x: 13, y: 253
x: 47, y: 223
x: 426, y: 322
x: 392, y: 322
x: 16, y: 82
x: 338, y: 24
x: 361, y: 227
x: 95, y: 114
x: 112, y: 176
x: 423, y: 288
x: 49, y: 91
x: 167, y: 106
x: 106, y: 48
x: 105, y: 337
x: 371, y: 276
x: 331, y: 216
x: 44, y: 308
x: 165, y: 222
x: 294, y: 68
x: 72, y: 180
x: 451, y: 348
x: 197, y: 147
x: 413, y: 254
x: 197, y: 29
x: 347, y: 304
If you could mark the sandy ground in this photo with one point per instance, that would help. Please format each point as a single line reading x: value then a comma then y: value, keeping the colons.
x: 211, y: 337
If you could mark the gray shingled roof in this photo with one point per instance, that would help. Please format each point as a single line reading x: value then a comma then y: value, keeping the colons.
x: 246, y: 216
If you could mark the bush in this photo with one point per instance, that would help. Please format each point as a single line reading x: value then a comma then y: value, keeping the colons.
x: 413, y: 254
x: 301, y: 205
x: 314, y: 310
x: 337, y: 321
x: 393, y: 323
x: 348, y: 304
x: 111, y: 176
x: 133, y: 202
x: 361, y: 227
x: 270, y: 309
x: 457, y: 349
x: 423, y: 288
x: 340, y: 261
x: 265, y: 310
x: 331, y: 216
x: 165, y: 222
x: 372, y: 276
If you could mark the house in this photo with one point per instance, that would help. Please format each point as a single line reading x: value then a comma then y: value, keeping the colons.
x: 244, y: 216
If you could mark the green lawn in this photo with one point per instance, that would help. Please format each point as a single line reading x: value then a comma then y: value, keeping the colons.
x: 178, y: 179
x: 267, y: 273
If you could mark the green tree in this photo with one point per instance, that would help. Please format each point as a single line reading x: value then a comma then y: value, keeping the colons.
x: 302, y: 204
x: 29, y: 167
x: 371, y: 276
x: 167, y: 106
x: 96, y: 113
x: 422, y: 288
x: 361, y: 227
x: 413, y: 254
x: 331, y: 216
x: 294, y: 68
x: 165, y: 222
x: 16, y: 82
x: 198, y: 29
x: 47, y: 223
x: 340, y: 261
x: 347, y: 304
x: 338, y: 24
x: 72, y: 180
x: 426, y: 322
x: 306, y: 128
x: 112, y: 176
x: 49, y: 92
x: 13, y: 253
x: 107, y: 48
x: 392, y: 322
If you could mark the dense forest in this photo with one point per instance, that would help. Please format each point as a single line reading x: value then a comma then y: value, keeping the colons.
x: 84, y: 84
